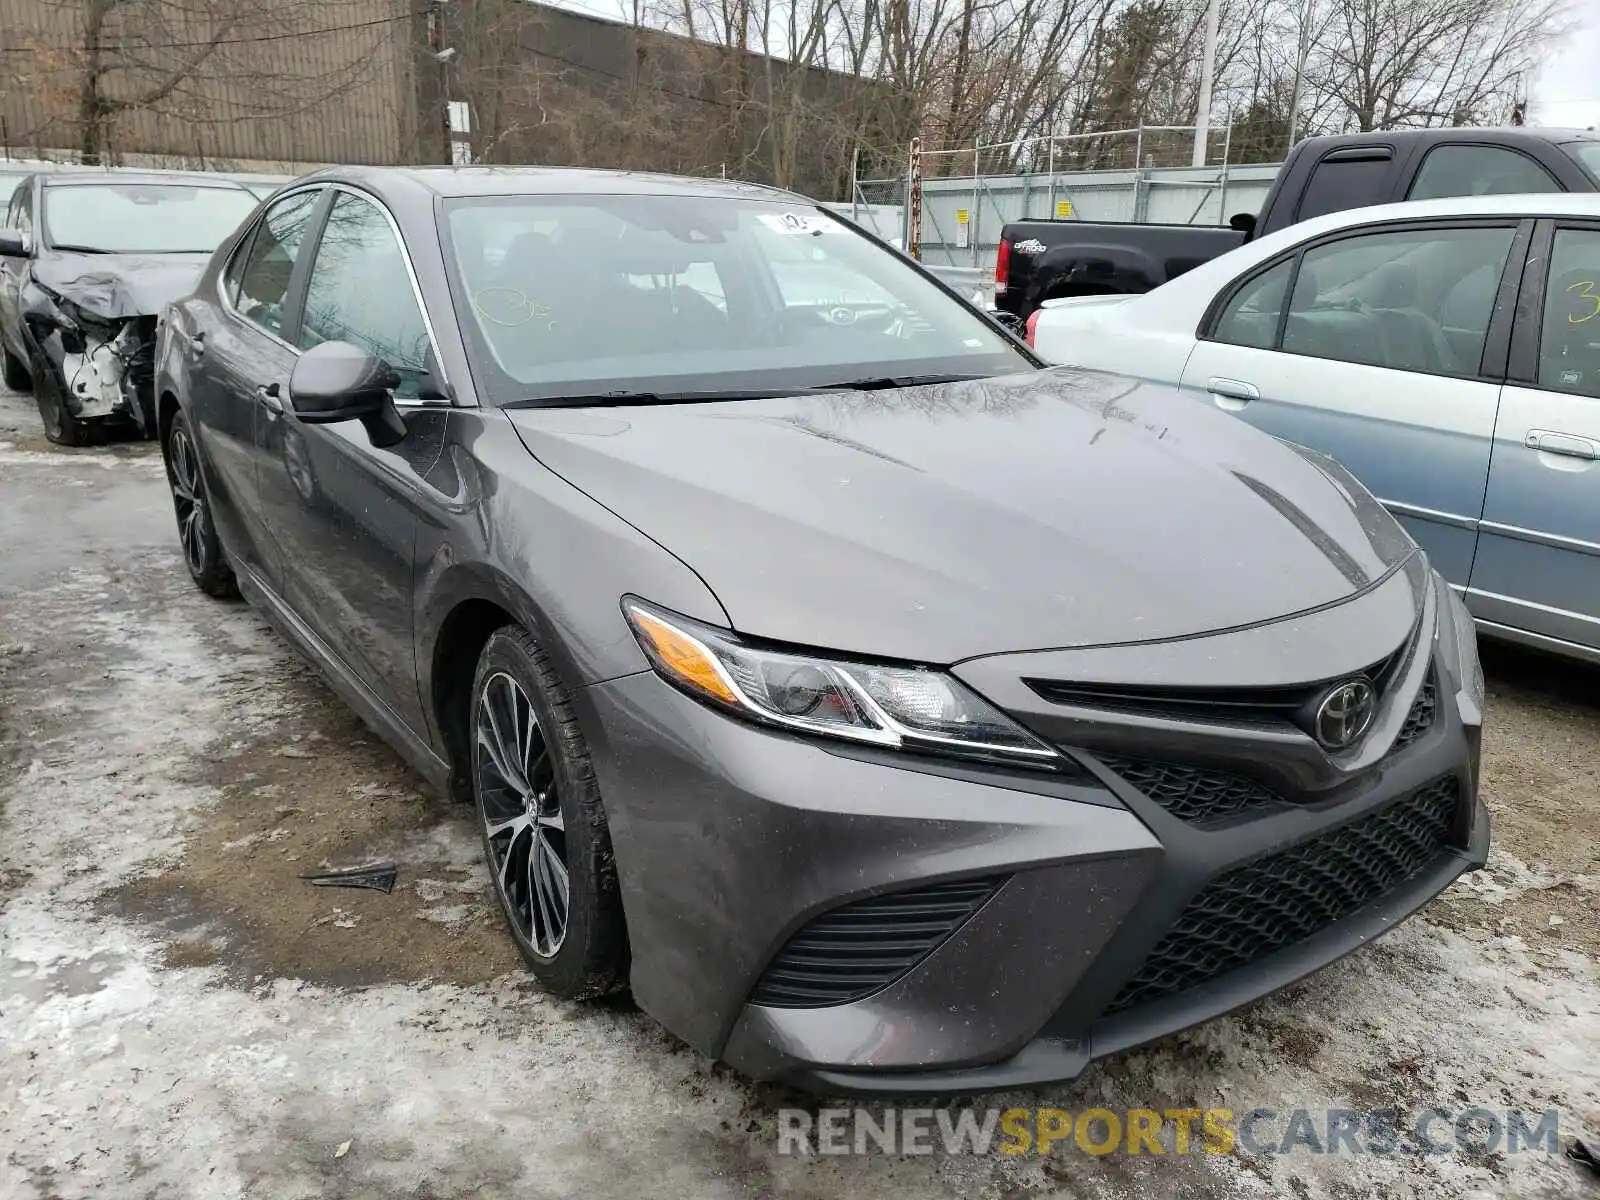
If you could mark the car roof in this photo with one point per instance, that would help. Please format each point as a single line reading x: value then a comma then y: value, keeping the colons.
x: 1503, y: 135
x: 546, y: 181
x: 1536, y: 204
x: 138, y: 178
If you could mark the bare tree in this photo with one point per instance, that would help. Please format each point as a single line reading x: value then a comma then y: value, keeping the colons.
x: 1391, y: 63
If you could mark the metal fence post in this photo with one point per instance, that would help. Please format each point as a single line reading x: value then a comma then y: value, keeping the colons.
x: 1222, y: 200
x: 913, y: 205
x: 855, y: 187
x: 1051, y: 214
x: 1138, y: 146
x: 972, y: 217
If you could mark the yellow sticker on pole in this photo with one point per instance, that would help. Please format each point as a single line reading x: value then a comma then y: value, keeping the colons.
x: 961, y: 216
x: 1063, y: 209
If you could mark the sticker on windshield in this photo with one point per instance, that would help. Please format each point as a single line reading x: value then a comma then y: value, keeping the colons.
x: 791, y: 222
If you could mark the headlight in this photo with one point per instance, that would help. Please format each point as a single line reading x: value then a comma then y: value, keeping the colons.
x: 903, y: 708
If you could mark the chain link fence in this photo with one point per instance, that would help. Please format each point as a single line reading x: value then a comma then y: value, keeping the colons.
x: 952, y: 203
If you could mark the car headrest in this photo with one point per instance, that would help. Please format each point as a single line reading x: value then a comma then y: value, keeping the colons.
x: 527, y: 253
x: 1394, y: 285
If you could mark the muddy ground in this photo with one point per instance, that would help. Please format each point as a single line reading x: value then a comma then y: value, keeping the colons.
x: 181, y: 1015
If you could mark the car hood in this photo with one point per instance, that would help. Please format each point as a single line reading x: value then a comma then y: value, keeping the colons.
x: 1053, y: 509
x: 116, y: 286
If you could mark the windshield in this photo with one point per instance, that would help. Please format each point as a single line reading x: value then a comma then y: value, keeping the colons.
x: 1588, y: 156
x: 143, y: 218
x: 565, y: 296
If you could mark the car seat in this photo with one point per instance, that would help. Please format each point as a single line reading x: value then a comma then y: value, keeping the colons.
x: 1409, y: 339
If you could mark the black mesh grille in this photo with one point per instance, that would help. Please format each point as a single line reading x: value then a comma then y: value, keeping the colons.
x: 1266, y: 905
x: 1195, y: 794
x: 1420, y: 719
x: 863, y: 947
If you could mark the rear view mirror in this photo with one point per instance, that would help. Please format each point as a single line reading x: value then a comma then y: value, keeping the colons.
x: 14, y: 244
x: 336, y: 381
x: 1245, y: 223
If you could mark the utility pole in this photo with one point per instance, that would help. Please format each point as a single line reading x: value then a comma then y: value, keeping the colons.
x: 1202, y: 119
x: 1301, y: 56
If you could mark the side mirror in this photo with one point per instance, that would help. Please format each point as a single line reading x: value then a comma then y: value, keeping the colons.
x: 1009, y: 321
x: 1245, y: 223
x: 14, y: 244
x: 336, y: 381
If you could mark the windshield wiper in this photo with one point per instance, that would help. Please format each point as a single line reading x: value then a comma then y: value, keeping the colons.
x: 623, y: 397
x: 69, y: 247
x: 882, y: 383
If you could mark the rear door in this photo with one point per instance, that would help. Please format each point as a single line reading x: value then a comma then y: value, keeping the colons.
x: 239, y: 361
x: 1378, y: 347
x: 1538, y: 566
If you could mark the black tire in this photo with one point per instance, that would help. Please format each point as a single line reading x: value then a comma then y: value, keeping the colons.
x: 49, y: 393
x: 16, y: 374
x: 591, y: 957
x: 197, y: 536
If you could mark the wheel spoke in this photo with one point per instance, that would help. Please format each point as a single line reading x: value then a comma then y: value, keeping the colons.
x: 512, y: 825
x: 552, y: 820
x: 508, y: 868
x: 500, y: 749
x: 542, y: 888
x: 489, y: 738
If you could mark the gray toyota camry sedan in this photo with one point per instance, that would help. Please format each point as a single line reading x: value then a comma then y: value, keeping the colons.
x: 888, y: 713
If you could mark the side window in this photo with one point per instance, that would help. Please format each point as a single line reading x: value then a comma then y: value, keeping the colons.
x: 1569, y: 343
x: 360, y: 292
x: 263, y: 281
x: 22, y: 217
x: 1341, y: 183
x: 235, y: 272
x: 1413, y: 300
x: 1478, y: 171
x: 1250, y: 318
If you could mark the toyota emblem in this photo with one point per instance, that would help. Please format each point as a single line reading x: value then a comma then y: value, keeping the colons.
x: 1345, y: 714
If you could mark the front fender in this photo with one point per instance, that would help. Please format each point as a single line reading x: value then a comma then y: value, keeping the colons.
x: 512, y: 532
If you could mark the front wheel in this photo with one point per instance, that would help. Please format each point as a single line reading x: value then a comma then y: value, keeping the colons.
x: 202, y: 549
x: 544, y: 828
x: 50, y: 394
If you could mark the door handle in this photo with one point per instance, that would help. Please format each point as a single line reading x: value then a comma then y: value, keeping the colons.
x: 1233, y: 389
x: 1567, y: 444
x: 271, y: 400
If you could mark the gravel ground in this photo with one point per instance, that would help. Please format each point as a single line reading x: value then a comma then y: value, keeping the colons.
x: 180, y: 1016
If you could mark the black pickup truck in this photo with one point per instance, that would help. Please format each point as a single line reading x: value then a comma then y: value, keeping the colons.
x: 1040, y: 260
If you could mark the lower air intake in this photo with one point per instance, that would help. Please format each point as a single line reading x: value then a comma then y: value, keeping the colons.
x: 1263, y: 906
x: 851, y: 952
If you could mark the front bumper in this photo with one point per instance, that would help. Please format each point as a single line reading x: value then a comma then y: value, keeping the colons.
x: 745, y: 856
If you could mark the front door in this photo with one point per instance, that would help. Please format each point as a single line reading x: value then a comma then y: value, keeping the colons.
x: 343, y: 511
x: 1377, y: 360
x: 1538, y: 567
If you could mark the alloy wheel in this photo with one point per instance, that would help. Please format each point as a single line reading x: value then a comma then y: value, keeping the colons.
x: 520, y: 807
x: 188, y: 499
